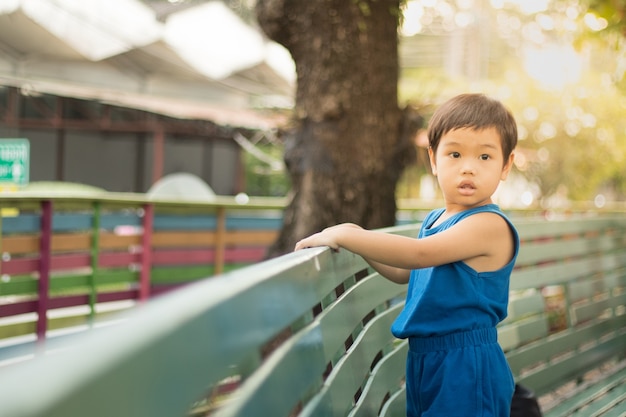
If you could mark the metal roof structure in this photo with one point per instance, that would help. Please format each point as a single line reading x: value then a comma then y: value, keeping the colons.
x: 199, y: 62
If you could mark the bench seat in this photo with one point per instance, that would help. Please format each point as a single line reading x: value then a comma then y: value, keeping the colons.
x: 307, y: 334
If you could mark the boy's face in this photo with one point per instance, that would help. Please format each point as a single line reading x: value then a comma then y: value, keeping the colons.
x: 469, y: 166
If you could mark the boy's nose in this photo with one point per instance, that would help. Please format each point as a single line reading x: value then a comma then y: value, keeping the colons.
x: 468, y: 168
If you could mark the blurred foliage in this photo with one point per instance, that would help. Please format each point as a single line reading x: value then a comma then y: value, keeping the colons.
x: 571, y: 120
x: 261, y: 179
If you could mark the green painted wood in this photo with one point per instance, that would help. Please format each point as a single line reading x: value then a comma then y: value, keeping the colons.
x: 171, y: 351
x: 533, y: 229
x: 335, y: 398
x: 608, y: 402
x: 557, y: 373
x: 387, y: 375
x: 558, y: 249
x: 396, y: 406
x: 586, y: 289
x: 27, y: 285
x: 563, y: 272
x: 590, y: 310
x: 522, y: 332
x: 589, y: 393
x: 18, y: 285
x: 106, y: 278
x: 524, y: 306
x: 296, y: 359
x: 177, y: 275
x: 543, y: 350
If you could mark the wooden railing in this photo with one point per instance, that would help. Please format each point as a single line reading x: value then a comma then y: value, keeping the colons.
x: 307, y: 334
x: 96, y: 251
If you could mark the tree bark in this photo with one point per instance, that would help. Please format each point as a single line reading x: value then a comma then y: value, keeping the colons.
x: 350, y: 140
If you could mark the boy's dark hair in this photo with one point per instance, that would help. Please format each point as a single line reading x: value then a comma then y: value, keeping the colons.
x: 473, y: 111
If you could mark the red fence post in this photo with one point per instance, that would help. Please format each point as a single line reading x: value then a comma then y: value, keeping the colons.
x: 146, y: 252
x: 95, y: 261
x: 45, y: 254
x: 220, y: 241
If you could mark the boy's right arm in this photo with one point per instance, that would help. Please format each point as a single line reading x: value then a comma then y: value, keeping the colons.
x: 392, y: 273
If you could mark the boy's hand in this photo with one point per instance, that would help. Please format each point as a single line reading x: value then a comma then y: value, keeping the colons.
x: 327, y: 237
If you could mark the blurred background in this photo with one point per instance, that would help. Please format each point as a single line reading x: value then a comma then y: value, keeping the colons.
x: 118, y: 94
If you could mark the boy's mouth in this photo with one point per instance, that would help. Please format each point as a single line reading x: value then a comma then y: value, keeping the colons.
x: 466, y: 187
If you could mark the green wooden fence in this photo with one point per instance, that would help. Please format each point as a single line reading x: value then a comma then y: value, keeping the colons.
x: 307, y: 334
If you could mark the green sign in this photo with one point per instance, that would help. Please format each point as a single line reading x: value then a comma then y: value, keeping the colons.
x: 14, y: 161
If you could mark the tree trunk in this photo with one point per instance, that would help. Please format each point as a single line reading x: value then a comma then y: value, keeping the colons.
x: 350, y: 141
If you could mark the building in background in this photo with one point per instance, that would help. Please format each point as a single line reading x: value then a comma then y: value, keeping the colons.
x: 119, y: 94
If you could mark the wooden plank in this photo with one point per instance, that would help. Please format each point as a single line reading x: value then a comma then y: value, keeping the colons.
x: 209, y: 222
x: 71, y: 282
x: 589, y: 310
x: 25, y: 244
x: 245, y: 254
x: 70, y: 261
x: 110, y: 220
x: 21, y: 286
x: 71, y: 221
x: 182, y: 239
x: 208, y: 239
x: 307, y: 354
x: 349, y: 374
x: 205, y: 361
x: 537, y: 252
x: 173, y: 257
x: 614, y: 399
x: 106, y: 278
x: 558, y: 373
x: 17, y: 329
x: 68, y: 242
x: 524, y: 306
x: 23, y: 223
x: 253, y: 237
x: 193, y: 222
x: 396, y: 406
x: 253, y: 223
x: 182, y: 257
x: 112, y: 241
x: 20, y: 266
x: 564, y: 272
x: 20, y: 244
x: 386, y: 376
x: 176, y: 275
x: 582, y: 290
x: 118, y: 259
x: 588, y: 394
x: 544, y: 350
x: 17, y: 308
x: 530, y: 229
x: 518, y: 333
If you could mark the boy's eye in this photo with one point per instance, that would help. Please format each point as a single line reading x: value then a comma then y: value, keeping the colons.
x: 455, y: 155
x: 484, y: 157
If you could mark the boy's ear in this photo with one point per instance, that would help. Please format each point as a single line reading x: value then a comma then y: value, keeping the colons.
x: 507, y: 167
x: 433, y: 164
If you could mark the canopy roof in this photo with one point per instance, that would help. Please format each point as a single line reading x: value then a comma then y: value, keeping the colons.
x: 199, y: 62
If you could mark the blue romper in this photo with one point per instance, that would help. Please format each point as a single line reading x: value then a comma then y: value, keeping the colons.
x: 455, y: 366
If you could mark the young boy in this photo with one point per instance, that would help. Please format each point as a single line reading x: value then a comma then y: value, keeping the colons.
x: 458, y: 269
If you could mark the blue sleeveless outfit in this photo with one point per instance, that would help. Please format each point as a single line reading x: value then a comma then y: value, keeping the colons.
x: 455, y: 366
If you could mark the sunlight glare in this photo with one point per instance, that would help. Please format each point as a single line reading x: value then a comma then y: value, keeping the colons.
x: 594, y: 22
x: 413, y: 12
x: 525, y: 6
x: 553, y: 66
